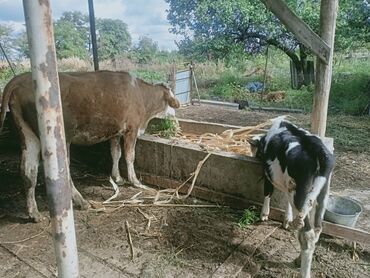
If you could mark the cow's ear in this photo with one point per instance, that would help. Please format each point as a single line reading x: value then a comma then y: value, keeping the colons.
x: 255, y: 140
x: 171, y: 99
x: 173, y: 102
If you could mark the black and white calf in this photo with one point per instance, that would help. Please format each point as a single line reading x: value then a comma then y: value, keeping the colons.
x: 299, y: 164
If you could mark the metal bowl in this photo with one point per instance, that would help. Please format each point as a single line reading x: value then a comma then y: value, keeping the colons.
x: 343, y: 210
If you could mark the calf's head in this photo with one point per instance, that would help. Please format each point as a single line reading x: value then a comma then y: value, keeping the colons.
x: 257, y: 143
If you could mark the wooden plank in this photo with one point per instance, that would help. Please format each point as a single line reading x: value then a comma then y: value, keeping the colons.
x: 328, y: 14
x: 276, y: 214
x: 299, y: 28
x: 351, y: 234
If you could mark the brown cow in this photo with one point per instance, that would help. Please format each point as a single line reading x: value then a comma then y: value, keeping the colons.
x: 97, y: 106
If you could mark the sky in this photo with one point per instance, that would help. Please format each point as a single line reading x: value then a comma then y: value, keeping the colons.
x: 143, y: 17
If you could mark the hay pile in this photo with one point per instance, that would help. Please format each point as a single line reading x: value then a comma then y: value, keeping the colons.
x: 231, y: 140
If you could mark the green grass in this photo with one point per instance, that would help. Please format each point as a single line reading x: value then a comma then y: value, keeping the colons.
x: 250, y: 217
x: 349, y: 94
x: 350, y: 133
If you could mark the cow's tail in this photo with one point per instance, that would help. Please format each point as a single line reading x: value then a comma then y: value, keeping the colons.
x: 324, y: 157
x: 8, y: 90
x: 316, y: 147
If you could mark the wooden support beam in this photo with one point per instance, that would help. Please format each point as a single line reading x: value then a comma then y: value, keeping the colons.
x: 276, y: 214
x: 299, y: 28
x: 328, y: 15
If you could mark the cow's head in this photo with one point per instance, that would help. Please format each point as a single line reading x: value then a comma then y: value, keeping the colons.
x: 170, y: 97
x: 257, y: 143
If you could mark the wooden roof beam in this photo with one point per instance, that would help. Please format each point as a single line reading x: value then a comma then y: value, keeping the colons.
x: 299, y: 28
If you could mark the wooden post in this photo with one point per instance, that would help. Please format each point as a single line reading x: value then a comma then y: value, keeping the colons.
x: 328, y: 15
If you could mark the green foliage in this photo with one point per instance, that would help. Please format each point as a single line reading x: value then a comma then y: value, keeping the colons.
x: 146, y: 50
x: 69, y: 42
x: 6, y: 39
x: 150, y: 75
x: 113, y: 38
x: 250, y: 217
x: 230, y: 87
x: 167, y: 127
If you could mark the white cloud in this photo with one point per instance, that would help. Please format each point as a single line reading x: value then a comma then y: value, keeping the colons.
x: 143, y: 17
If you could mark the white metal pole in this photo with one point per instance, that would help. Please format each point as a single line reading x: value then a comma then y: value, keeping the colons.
x: 51, y: 127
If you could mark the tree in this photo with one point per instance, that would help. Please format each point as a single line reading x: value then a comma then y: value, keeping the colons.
x: 113, y: 38
x: 69, y: 41
x: 6, y: 40
x: 224, y: 23
x: 21, y: 45
x: 81, y: 23
x: 146, y: 49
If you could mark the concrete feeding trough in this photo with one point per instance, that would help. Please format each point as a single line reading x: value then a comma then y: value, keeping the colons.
x: 226, y: 178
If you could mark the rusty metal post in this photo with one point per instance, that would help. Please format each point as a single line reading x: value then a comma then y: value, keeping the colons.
x: 51, y: 128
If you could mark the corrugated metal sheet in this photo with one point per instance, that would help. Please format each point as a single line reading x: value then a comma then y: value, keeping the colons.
x: 183, y: 86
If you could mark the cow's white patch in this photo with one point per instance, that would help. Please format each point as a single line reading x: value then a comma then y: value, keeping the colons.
x: 288, y: 215
x: 280, y: 179
x: 275, y: 129
x: 291, y: 146
x: 141, y: 131
x: 265, y: 209
x: 169, y: 111
x: 306, y: 254
x: 171, y: 93
x: 311, y: 197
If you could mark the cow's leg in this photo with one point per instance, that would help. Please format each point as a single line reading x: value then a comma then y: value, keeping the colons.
x: 29, y: 169
x: 307, y: 240
x: 304, y: 201
x: 268, y: 190
x: 322, y: 201
x: 30, y: 160
x: 129, y: 143
x: 77, y: 198
x: 288, y: 215
x: 115, y: 149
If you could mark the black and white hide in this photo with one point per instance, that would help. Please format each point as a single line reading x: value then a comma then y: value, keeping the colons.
x: 300, y: 165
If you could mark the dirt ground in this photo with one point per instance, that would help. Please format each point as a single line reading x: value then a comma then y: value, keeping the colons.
x: 181, y: 241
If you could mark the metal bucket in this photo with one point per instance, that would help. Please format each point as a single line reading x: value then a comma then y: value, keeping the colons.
x: 342, y: 210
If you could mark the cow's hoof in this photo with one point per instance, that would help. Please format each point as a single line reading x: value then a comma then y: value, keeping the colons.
x: 36, y: 217
x: 264, y: 217
x: 83, y: 205
x: 119, y: 181
x: 297, y: 224
x: 142, y: 186
x: 286, y: 224
x: 297, y: 261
